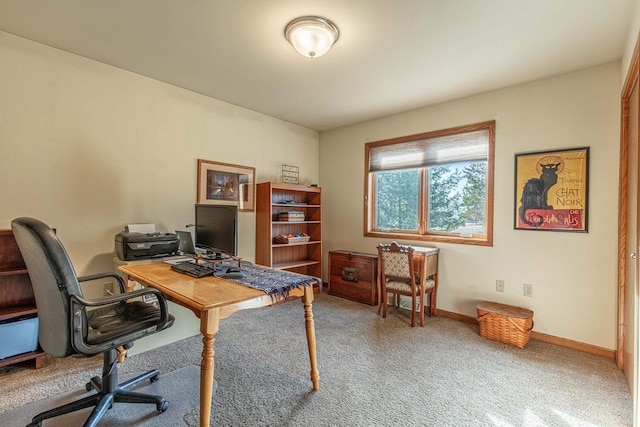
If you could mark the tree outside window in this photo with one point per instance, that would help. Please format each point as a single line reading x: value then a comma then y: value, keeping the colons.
x: 397, y: 200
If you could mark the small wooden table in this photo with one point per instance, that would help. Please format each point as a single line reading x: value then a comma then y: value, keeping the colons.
x: 212, y: 299
x: 425, y: 262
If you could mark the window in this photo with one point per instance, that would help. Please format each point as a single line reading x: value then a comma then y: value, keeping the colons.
x: 435, y: 186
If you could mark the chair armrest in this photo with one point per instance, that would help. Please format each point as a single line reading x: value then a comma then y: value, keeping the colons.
x: 78, y: 304
x: 118, y: 278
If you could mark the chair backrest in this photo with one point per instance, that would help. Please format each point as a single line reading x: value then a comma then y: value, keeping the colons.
x: 53, y: 279
x: 395, y: 261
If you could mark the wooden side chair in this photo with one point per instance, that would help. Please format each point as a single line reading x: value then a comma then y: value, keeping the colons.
x: 397, y: 277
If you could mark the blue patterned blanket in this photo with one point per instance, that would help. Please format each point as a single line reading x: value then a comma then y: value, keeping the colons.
x: 276, y: 283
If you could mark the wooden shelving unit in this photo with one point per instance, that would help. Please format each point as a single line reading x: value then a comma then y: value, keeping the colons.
x: 16, y: 294
x: 273, y: 198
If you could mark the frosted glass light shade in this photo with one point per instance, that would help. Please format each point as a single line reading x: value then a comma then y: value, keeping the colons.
x: 311, y: 36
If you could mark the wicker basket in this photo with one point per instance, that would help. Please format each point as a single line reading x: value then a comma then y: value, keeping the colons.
x: 287, y: 240
x: 505, y: 323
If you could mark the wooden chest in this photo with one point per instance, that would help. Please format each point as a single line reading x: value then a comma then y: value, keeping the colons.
x: 354, y: 275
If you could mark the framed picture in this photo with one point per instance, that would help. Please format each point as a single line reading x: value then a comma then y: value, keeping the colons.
x: 551, y: 190
x: 226, y: 184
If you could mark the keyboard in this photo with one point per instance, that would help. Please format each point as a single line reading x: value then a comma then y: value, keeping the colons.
x: 193, y: 270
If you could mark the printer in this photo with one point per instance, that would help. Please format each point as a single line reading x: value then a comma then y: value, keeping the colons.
x: 131, y: 246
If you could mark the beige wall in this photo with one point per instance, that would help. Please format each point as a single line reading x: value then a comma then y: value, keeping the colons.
x: 89, y: 148
x: 574, y: 274
x: 631, y: 39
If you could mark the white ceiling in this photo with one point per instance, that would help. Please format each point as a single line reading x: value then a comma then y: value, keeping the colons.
x: 392, y: 55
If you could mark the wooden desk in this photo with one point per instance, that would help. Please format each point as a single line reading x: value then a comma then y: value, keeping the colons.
x: 425, y: 263
x: 212, y: 299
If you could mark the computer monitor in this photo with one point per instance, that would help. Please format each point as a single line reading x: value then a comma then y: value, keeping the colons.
x: 217, y: 228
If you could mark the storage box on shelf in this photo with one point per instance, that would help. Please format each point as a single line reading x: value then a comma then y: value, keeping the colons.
x: 505, y: 323
x: 285, y: 239
x: 17, y: 303
x: 291, y: 216
x: 18, y: 336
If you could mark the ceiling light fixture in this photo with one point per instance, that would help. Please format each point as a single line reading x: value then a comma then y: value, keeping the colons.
x: 311, y: 36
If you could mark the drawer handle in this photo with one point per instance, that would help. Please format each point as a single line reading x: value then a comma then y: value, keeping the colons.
x: 350, y: 274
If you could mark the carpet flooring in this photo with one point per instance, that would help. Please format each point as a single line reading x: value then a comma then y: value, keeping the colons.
x: 176, y: 387
x: 373, y: 372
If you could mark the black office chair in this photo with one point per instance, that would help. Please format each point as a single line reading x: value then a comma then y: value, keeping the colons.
x: 72, y: 325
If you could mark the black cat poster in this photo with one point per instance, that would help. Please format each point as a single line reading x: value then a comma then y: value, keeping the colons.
x: 551, y: 190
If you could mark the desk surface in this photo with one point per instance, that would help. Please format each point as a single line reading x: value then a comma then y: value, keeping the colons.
x: 200, y: 294
x: 425, y: 250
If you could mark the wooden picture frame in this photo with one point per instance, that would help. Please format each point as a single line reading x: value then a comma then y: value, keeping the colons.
x: 551, y: 190
x: 226, y: 184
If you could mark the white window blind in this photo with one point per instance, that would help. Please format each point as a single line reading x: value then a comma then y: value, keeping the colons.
x: 468, y: 146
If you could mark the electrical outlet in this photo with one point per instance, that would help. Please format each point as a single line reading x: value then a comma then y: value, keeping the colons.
x: 107, y: 289
x: 499, y: 285
x: 527, y: 290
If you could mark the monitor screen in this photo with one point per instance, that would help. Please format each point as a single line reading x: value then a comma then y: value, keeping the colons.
x: 217, y: 228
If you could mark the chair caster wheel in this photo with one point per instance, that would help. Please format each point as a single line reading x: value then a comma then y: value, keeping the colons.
x: 90, y: 385
x: 35, y: 424
x: 155, y: 378
x: 162, y: 406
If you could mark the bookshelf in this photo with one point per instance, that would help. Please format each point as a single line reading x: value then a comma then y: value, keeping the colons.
x: 274, y: 199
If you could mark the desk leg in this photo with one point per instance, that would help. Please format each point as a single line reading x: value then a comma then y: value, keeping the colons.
x: 434, y: 297
x: 379, y: 285
x: 307, y: 300
x: 129, y: 286
x: 209, y: 324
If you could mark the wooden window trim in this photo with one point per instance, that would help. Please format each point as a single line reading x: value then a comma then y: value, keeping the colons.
x: 421, y: 235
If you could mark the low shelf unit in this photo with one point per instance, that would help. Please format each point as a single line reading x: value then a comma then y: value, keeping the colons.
x: 16, y: 295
